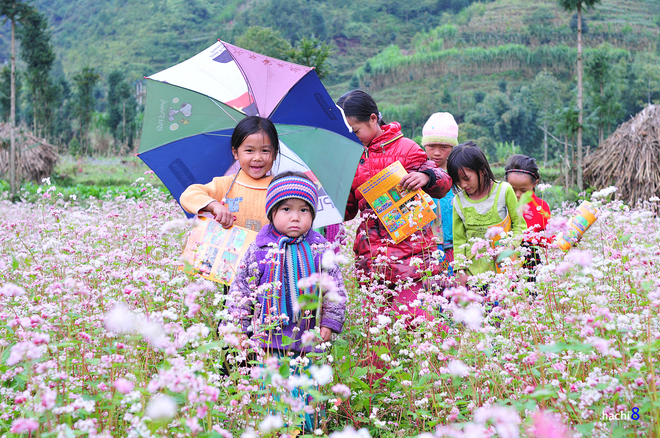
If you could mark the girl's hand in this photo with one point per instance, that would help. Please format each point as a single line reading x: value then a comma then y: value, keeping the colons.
x: 462, y: 278
x: 414, y: 181
x: 221, y: 214
x: 326, y: 334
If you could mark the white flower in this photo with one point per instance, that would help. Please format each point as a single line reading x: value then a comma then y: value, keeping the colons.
x: 120, y: 320
x: 153, y: 332
x: 271, y: 423
x: 330, y: 259
x: 249, y: 433
x: 322, y: 374
x: 471, y: 316
x: 349, y: 432
x: 458, y: 368
x: 604, y: 193
x: 543, y: 187
x: 161, y: 407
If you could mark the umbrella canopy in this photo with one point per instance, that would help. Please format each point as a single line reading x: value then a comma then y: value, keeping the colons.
x: 193, y: 107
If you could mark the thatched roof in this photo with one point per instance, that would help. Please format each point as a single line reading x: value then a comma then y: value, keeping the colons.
x: 629, y: 159
x: 35, y: 159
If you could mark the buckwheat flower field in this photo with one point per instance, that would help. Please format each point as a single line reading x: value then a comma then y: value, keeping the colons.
x: 103, y: 336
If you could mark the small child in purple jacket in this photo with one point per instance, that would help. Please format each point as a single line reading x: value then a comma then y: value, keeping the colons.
x: 284, y: 252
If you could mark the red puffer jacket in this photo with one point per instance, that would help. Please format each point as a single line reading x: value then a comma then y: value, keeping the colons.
x: 372, y: 234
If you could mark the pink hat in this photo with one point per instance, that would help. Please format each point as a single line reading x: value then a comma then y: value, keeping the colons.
x: 441, y: 128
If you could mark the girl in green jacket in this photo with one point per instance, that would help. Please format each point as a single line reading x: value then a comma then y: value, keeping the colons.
x: 481, y: 203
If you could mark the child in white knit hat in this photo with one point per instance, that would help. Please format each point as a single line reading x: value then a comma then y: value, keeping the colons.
x: 439, y: 136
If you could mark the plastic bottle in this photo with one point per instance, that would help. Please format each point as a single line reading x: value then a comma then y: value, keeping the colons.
x: 577, y: 226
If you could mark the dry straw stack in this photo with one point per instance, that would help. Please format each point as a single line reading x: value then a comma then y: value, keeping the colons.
x: 629, y: 159
x: 36, y: 157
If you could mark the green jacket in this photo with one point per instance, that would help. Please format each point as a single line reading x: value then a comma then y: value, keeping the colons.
x: 473, y: 218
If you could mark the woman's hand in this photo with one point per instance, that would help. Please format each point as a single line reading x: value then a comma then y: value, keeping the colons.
x: 221, y: 214
x: 414, y: 181
x: 326, y: 334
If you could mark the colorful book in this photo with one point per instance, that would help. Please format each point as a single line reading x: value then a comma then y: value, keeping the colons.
x: 402, y: 212
x: 213, y: 252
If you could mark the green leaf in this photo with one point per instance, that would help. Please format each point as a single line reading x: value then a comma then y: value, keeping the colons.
x: 626, y: 238
x: 585, y: 428
x: 14, y: 263
x: 524, y: 200
x: 505, y: 254
x: 560, y: 346
x: 360, y: 371
x: 149, y: 249
x: 209, y: 346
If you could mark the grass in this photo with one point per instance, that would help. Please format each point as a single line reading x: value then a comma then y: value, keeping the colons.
x: 99, y: 171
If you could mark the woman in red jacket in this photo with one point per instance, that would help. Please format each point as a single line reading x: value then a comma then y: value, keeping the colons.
x: 375, y: 253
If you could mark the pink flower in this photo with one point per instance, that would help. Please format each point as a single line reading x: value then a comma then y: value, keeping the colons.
x: 308, y: 338
x: 582, y: 258
x: 11, y: 290
x: 563, y: 268
x: 480, y: 244
x: 23, y: 425
x: 556, y: 225
x: 23, y: 351
x: 49, y: 399
x: 342, y: 390
x: 494, y: 232
x: 546, y: 426
x: 124, y: 386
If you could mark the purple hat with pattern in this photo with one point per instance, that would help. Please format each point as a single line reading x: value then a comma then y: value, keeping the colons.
x: 292, y: 186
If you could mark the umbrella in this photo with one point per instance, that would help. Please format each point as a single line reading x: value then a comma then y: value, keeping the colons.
x: 193, y: 107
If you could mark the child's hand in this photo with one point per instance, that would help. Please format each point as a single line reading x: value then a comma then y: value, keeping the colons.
x: 326, y: 334
x: 414, y: 181
x: 462, y: 278
x: 221, y: 214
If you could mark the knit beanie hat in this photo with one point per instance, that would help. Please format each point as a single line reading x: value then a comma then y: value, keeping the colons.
x: 292, y: 187
x: 440, y: 128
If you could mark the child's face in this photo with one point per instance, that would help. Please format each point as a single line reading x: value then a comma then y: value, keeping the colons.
x: 520, y: 182
x: 438, y: 153
x: 293, y: 218
x: 365, y: 131
x: 468, y: 180
x: 255, y: 155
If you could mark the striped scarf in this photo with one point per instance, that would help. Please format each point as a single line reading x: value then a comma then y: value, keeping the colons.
x: 294, y: 261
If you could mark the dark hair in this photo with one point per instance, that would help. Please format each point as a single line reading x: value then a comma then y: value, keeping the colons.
x: 279, y: 204
x: 523, y: 163
x: 360, y: 105
x: 252, y: 125
x: 469, y: 156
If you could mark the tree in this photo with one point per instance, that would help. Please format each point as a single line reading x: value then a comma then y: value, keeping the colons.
x: 577, y: 5
x: 509, y: 119
x: 313, y: 53
x: 546, y: 97
x: 567, y: 123
x: 598, y: 70
x: 266, y: 41
x: 5, y: 92
x: 84, y: 107
x: 646, y: 67
x: 37, y: 52
x: 13, y: 10
x: 121, y: 110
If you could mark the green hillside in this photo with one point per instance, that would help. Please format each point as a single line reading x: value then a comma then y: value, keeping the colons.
x: 479, y: 60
